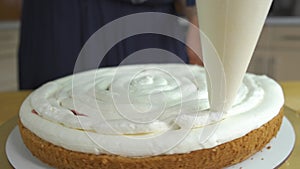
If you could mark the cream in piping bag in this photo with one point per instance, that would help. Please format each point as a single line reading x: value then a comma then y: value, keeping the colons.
x: 229, y: 33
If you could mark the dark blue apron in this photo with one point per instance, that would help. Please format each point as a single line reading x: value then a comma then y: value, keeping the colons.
x: 54, y: 31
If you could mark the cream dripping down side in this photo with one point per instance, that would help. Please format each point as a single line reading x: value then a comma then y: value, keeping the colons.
x: 144, y: 110
x: 229, y: 33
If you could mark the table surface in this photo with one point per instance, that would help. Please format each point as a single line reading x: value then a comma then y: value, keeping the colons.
x: 10, y: 103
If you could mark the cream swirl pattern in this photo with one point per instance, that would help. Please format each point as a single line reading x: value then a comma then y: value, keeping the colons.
x: 144, y: 110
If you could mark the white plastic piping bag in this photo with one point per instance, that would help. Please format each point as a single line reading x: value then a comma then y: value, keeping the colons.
x: 229, y: 33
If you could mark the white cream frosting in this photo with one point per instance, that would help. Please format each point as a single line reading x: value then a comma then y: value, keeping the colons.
x: 145, y: 110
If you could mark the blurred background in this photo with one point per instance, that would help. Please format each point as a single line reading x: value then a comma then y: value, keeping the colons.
x: 277, y: 54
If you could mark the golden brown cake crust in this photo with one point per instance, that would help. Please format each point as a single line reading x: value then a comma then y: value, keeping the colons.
x: 218, y: 157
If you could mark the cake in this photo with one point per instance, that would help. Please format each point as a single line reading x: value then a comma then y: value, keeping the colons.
x: 147, y: 116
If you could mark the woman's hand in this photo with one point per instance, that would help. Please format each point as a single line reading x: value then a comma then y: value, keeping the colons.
x: 192, y: 35
x: 193, y: 40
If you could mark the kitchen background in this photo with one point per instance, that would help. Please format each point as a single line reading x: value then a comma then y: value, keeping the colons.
x: 277, y: 53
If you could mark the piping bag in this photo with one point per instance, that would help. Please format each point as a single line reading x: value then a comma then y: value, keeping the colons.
x: 229, y: 31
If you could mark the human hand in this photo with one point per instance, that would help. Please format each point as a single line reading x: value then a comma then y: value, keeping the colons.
x: 193, y: 40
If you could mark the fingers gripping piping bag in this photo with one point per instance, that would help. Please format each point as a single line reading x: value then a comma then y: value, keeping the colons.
x: 229, y: 31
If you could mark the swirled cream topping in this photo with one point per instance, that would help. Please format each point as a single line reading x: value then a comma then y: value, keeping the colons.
x: 145, y: 110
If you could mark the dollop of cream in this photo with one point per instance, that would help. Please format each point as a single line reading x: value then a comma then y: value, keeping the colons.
x: 145, y: 110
